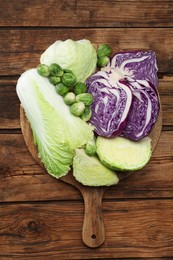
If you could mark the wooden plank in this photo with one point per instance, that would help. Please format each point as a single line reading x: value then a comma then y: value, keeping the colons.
x: 21, y: 179
x: 25, y: 46
x: 53, y: 230
x: 100, y: 13
x: 9, y: 106
x: 9, y: 102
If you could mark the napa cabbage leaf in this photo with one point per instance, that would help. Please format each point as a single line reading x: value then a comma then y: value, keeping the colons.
x: 56, y: 132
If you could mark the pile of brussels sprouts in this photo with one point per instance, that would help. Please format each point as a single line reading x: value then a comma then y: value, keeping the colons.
x: 74, y: 93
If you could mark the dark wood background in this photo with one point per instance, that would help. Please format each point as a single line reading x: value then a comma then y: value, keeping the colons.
x: 41, y: 217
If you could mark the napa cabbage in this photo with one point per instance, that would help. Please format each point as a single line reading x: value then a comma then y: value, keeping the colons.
x: 56, y: 132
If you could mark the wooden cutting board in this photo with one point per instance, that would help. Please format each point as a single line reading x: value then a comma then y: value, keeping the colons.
x: 93, y: 231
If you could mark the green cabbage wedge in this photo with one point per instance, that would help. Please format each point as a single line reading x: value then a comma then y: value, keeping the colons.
x: 89, y: 171
x: 121, y: 154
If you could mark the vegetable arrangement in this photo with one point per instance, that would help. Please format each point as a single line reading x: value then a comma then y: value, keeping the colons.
x: 66, y: 85
x: 97, y: 122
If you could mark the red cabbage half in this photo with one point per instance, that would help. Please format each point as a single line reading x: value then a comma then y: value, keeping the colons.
x: 143, y: 111
x: 125, y: 98
x: 112, y: 101
x: 141, y: 65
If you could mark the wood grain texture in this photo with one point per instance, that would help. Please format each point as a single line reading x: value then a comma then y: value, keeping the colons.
x: 87, y: 13
x: 23, y: 50
x: 23, y: 174
x: 93, y: 230
x: 37, y: 218
x: 54, y: 230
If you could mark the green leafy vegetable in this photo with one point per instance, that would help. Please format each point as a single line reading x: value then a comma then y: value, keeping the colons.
x: 61, y: 89
x: 78, y: 56
x: 86, y: 114
x: 55, y: 70
x: 122, y: 154
x: 77, y: 108
x: 90, y: 148
x: 80, y: 88
x: 43, y: 70
x: 69, y: 79
x: 90, y: 171
x: 70, y: 98
x: 86, y: 98
x: 104, y: 50
x: 57, y: 133
x: 102, y: 61
x: 54, y: 80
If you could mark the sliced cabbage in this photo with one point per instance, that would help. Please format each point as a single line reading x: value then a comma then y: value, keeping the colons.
x: 141, y: 65
x: 91, y: 172
x: 112, y: 101
x: 125, y: 97
x: 122, y: 154
x: 57, y: 133
x: 143, y: 111
x: 78, y: 56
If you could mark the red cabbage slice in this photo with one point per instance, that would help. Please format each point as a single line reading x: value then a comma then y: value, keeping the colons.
x: 125, y: 97
x: 112, y: 101
x: 143, y: 112
x: 141, y: 65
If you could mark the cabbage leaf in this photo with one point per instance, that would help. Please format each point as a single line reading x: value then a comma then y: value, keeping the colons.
x: 56, y: 132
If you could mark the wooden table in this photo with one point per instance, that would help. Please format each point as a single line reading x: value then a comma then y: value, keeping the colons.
x: 41, y: 217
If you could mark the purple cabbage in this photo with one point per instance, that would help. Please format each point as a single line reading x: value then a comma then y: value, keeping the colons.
x: 141, y: 64
x: 111, y: 105
x: 143, y: 111
x: 125, y: 96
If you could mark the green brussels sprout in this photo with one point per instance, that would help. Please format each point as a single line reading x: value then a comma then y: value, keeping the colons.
x: 55, y: 70
x: 54, y: 80
x: 102, y: 61
x: 69, y: 79
x: 80, y: 88
x: 77, y: 108
x: 90, y: 148
x: 61, y: 89
x: 86, y: 98
x: 70, y: 98
x: 86, y: 114
x: 43, y: 70
x: 68, y: 71
x: 104, y: 50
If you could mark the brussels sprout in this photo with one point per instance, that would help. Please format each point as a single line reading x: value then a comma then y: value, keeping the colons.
x: 70, y: 98
x: 86, y: 114
x: 77, y: 108
x: 104, y: 50
x: 55, y: 70
x: 86, y: 98
x: 91, y: 147
x: 69, y: 79
x: 102, y: 61
x: 68, y: 71
x: 54, y: 80
x: 43, y: 70
x: 61, y: 89
x: 80, y: 88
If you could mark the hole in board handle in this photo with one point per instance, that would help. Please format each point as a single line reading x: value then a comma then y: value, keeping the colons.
x: 93, y: 236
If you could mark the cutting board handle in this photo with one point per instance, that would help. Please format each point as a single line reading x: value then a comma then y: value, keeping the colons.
x: 93, y: 231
